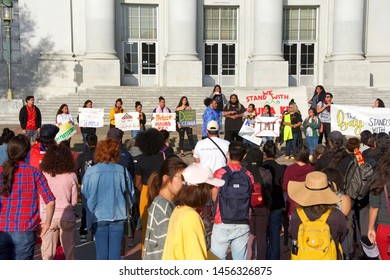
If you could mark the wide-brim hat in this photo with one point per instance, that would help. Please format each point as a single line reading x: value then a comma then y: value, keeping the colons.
x: 197, y: 173
x: 316, y: 189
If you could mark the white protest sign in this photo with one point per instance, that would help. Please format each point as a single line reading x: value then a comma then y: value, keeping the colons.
x: 127, y: 121
x: 165, y: 121
x: 352, y: 120
x: 91, y: 117
x: 248, y: 132
x: 267, y: 126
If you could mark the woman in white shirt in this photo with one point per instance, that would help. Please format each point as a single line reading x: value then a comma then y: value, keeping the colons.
x: 63, y: 116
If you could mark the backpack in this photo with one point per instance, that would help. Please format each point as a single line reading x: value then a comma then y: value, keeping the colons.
x: 262, y: 188
x: 234, y: 197
x: 314, y: 240
x: 357, y: 179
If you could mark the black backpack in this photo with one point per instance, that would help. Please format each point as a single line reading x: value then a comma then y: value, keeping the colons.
x: 234, y: 197
x: 357, y: 179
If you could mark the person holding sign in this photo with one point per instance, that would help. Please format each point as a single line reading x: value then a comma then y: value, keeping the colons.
x: 182, y: 106
x: 86, y: 130
x: 63, y: 117
x: 116, y: 110
x: 142, y: 119
x: 292, y: 122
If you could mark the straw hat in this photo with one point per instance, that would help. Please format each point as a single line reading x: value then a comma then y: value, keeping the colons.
x: 315, y: 190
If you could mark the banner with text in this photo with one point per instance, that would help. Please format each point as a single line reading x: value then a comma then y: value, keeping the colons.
x: 91, y: 117
x: 187, y: 118
x: 67, y: 130
x: 127, y: 121
x: 352, y: 120
x: 277, y: 99
x: 165, y: 121
x: 248, y: 132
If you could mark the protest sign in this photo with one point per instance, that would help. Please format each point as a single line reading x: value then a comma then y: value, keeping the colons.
x: 267, y: 126
x: 66, y: 131
x: 352, y: 120
x: 127, y: 121
x: 248, y: 132
x: 187, y: 118
x: 165, y: 121
x: 91, y: 117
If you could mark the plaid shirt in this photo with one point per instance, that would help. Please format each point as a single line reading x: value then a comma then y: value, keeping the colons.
x: 20, y: 210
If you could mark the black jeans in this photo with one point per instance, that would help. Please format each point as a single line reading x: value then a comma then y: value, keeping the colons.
x: 190, y: 137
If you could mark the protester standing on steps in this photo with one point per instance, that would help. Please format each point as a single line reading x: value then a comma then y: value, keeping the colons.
x: 323, y: 109
x: 63, y: 116
x: 182, y: 106
x: 116, y: 110
x: 142, y: 119
x: 161, y: 108
x: 233, y: 112
x: 221, y: 99
x: 319, y: 95
x: 30, y: 119
x: 292, y: 122
x: 86, y: 130
x: 209, y: 114
x: 378, y: 103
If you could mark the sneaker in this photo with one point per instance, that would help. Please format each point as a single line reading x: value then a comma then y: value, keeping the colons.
x: 292, y: 157
x: 83, y: 238
x: 286, y: 157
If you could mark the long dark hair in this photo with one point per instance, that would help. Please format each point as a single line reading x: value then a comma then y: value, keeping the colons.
x: 169, y: 167
x: 17, y: 150
x: 181, y: 101
x: 6, y: 135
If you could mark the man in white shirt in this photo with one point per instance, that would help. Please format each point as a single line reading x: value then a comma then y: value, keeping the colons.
x: 207, y: 152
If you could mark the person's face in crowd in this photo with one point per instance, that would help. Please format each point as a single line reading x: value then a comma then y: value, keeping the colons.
x: 328, y: 99
x: 376, y: 104
x: 291, y: 109
x: 162, y: 103
x: 310, y: 113
x: 184, y: 101
x: 174, y: 185
x: 233, y: 99
x: 266, y: 111
x: 318, y: 90
x: 89, y: 105
x: 30, y: 102
x: 250, y: 109
x: 214, y: 105
x: 118, y: 104
x: 65, y: 110
x: 217, y: 89
x: 139, y: 108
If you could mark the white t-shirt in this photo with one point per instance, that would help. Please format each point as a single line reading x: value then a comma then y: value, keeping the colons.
x: 209, y: 154
x: 325, y: 114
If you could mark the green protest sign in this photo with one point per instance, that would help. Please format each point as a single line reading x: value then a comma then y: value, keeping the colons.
x: 187, y: 118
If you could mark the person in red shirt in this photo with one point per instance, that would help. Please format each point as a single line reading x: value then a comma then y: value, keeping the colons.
x: 30, y: 119
x: 20, y: 188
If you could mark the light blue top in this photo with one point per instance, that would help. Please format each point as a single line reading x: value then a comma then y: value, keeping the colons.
x: 103, y: 189
x: 3, y: 153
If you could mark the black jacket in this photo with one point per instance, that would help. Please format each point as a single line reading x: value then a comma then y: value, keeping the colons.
x: 23, y: 115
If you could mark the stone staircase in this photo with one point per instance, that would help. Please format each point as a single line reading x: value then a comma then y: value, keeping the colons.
x: 104, y: 97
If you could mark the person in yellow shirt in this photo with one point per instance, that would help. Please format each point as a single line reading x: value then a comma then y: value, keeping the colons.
x: 186, y: 234
x: 116, y: 110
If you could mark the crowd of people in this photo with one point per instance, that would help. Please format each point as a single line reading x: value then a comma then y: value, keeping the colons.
x: 235, y: 195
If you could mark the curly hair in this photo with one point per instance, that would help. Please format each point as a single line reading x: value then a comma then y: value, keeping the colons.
x: 6, y: 135
x: 58, y: 160
x: 17, y: 150
x: 207, y: 101
x: 150, y: 141
x: 352, y: 144
x: 337, y: 153
x: 107, y: 151
x: 170, y: 167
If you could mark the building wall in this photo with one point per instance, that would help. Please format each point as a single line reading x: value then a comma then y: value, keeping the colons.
x: 58, y: 54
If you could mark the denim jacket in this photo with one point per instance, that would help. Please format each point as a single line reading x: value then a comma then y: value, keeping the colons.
x: 102, y: 191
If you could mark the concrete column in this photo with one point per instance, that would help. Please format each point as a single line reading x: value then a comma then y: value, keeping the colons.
x: 267, y: 58
x: 182, y: 66
x: 347, y: 66
x: 101, y: 65
x: 100, y: 29
x: 348, y: 30
x: 378, y: 42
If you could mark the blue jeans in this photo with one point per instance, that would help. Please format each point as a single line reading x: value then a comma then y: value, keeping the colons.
x: 235, y: 235
x: 108, y: 239
x: 273, y: 245
x: 17, y: 245
x: 311, y: 142
x: 291, y: 145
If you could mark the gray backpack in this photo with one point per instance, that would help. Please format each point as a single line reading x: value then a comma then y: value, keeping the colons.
x: 357, y: 179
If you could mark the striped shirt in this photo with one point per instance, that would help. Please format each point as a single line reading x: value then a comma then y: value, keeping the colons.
x: 19, y: 211
x: 159, y: 213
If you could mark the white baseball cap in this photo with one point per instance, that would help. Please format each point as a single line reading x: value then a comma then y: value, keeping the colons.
x: 197, y: 173
x: 212, y: 126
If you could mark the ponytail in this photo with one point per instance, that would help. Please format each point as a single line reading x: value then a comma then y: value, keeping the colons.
x: 154, y: 186
x: 9, y: 169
